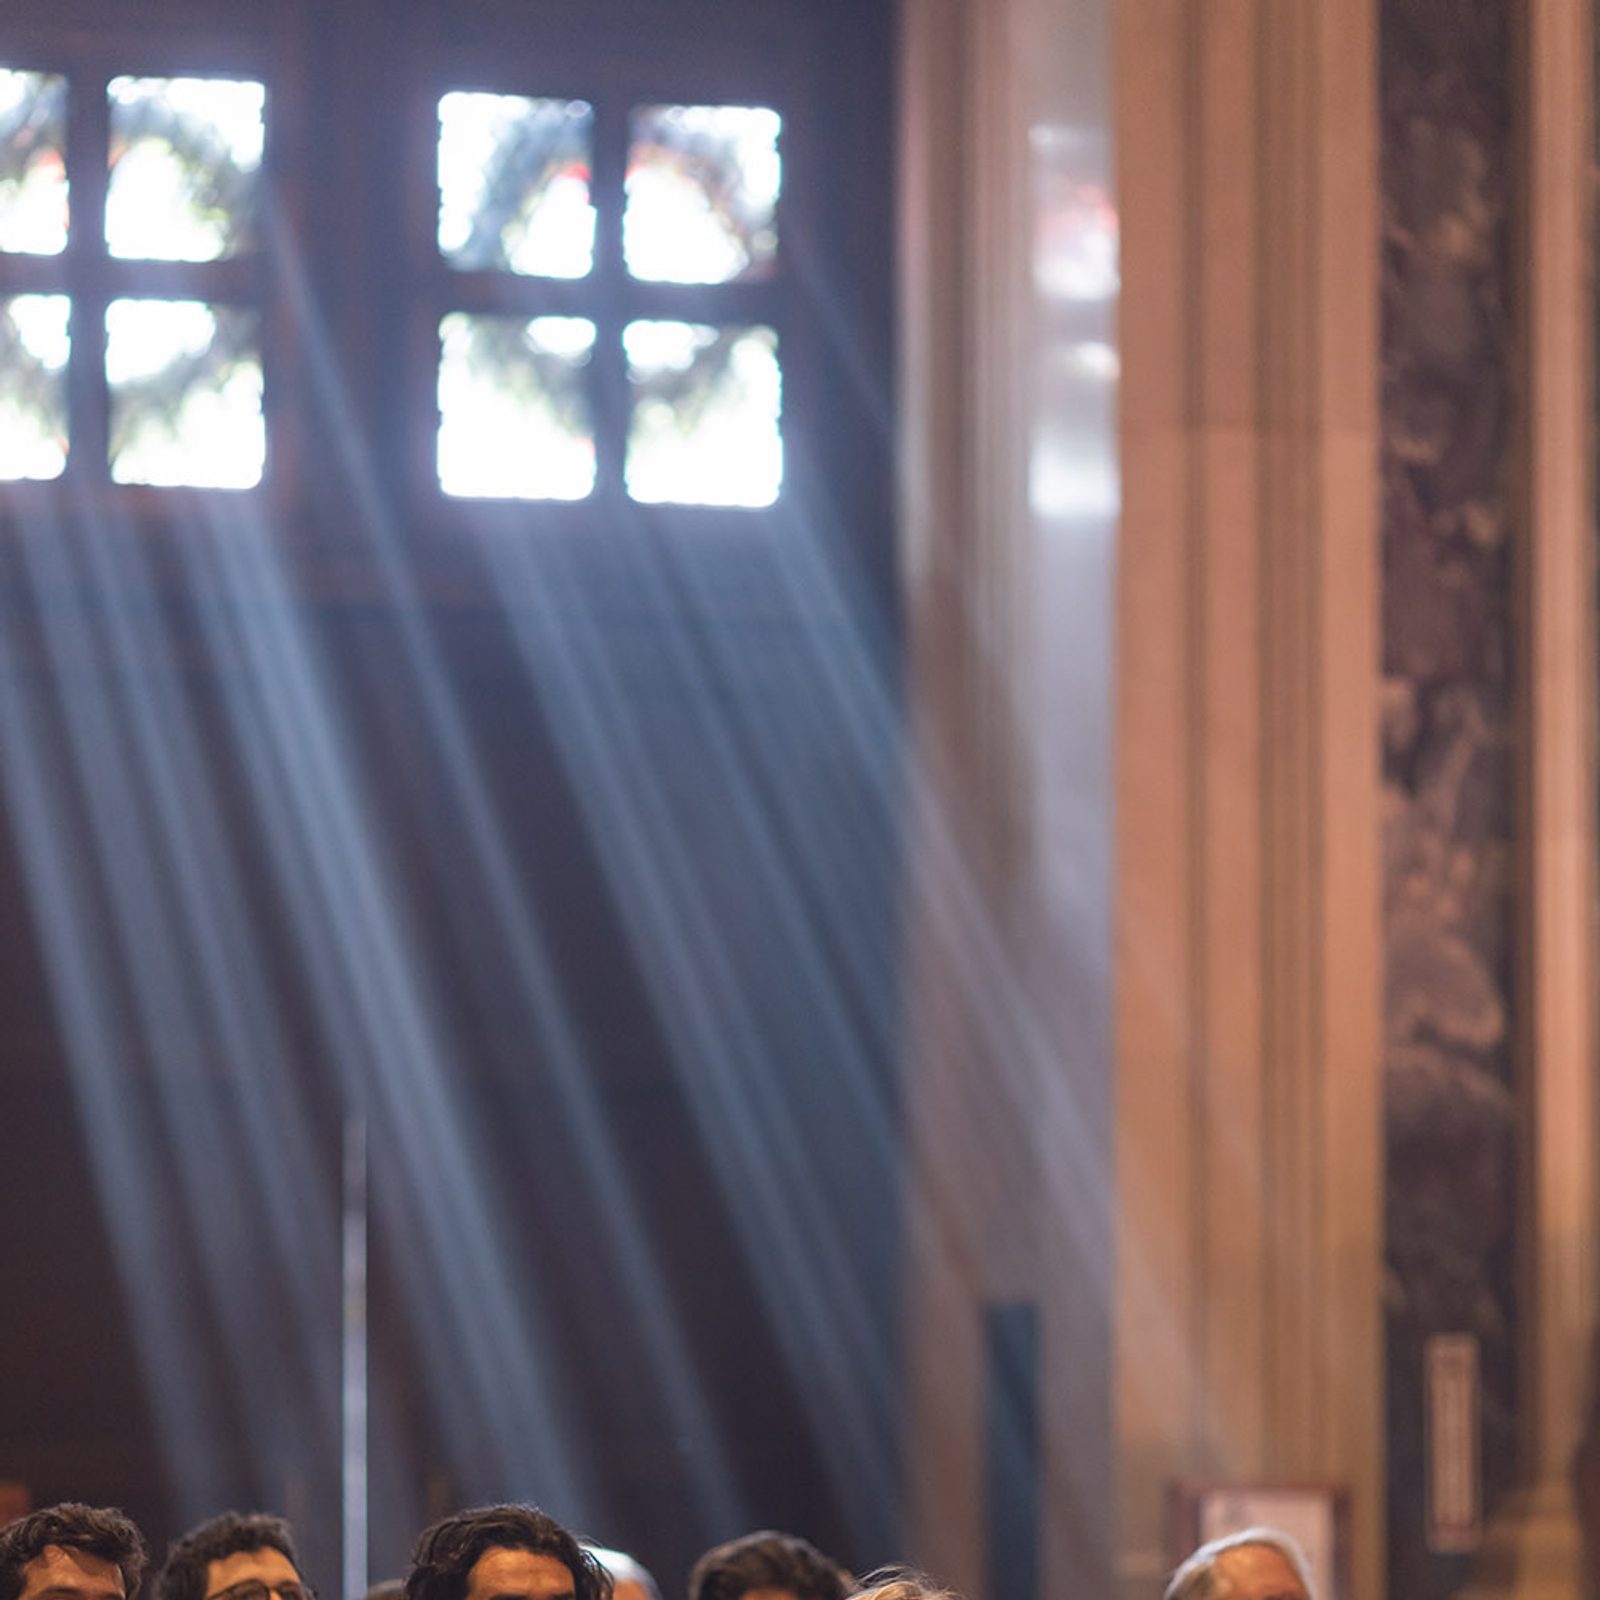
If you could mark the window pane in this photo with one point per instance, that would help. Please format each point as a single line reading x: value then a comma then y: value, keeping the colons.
x: 514, y: 184
x: 185, y: 165
x: 702, y: 198
x: 705, y: 415
x: 185, y: 381
x: 33, y: 164
x: 35, y: 339
x: 514, y: 418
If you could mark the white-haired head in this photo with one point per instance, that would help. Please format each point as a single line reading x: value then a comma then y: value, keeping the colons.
x: 629, y: 1579
x: 1202, y: 1578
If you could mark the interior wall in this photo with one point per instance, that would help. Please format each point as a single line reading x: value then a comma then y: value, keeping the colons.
x: 568, y: 858
x: 1280, y: 807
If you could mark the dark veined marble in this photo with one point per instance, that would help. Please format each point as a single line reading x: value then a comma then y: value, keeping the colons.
x: 1447, y: 735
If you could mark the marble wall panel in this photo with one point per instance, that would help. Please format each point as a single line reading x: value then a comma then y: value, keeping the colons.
x: 1448, y: 735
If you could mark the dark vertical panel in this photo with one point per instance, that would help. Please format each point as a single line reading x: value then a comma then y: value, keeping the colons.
x: 1012, y: 1505
x: 1449, y: 559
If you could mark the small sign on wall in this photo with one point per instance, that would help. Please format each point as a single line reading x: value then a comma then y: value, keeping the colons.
x: 1450, y: 1387
x: 15, y: 1501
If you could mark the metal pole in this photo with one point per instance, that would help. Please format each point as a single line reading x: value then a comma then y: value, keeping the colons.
x: 353, y: 1347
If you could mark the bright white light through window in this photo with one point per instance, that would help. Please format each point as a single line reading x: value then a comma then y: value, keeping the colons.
x: 43, y: 324
x: 35, y: 341
x: 514, y: 419
x: 702, y: 193
x: 705, y: 425
x: 185, y: 383
x: 514, y: 184
x: 1076, y: 254
x: 185, y: 160
x: 33, y: 168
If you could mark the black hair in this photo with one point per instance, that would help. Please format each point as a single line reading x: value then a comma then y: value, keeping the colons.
x: 767, y: 1560
x: 96, y: 1530
x: 447, y: 1552
x: 183, y: 1573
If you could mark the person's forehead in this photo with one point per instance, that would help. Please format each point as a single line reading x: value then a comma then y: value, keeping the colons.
x: 263, y: 1562
x: 61, y: 1566
x: 503, y: 1564
x: 1259, y: 1571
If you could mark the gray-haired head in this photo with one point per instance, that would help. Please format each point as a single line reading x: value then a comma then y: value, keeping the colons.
x: 900, y: 1583
x: 1202, y: 1578
x: 630, y: 1579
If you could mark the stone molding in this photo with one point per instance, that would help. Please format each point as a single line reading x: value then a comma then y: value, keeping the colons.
x: 1559, y: 319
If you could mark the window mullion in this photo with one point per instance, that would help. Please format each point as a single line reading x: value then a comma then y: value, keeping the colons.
x: 88, y: 135
x: 610, y: 285
x: 88, y: 404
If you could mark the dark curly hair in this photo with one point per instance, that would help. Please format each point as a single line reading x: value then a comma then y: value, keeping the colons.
x: 183, y: 1573
x: 96, y: 1530
x: 767, y: 1560
x: 447, y: 1552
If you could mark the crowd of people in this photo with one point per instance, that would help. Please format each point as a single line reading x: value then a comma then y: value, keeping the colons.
x: 517, y: 1552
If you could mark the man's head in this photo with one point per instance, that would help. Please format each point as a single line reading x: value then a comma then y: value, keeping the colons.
x: 70, y: 1552
x: 243, y: 1556
x: 1258, y: 1564
x: 767, y: 1566
x: 504, y: 1553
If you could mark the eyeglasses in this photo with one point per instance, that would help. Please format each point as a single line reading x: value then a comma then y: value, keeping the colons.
x: 254, y: 1589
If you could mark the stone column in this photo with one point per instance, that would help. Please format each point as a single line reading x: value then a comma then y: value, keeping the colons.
x: 1248, y: 1128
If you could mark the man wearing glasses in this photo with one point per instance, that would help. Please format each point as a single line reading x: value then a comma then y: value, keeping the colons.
x: 233, y: 1557
x: 70, y: 1552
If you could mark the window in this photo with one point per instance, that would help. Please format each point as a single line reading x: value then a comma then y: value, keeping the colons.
x: 513, y: 261
x: 697, y: 205
x: 130, y: 274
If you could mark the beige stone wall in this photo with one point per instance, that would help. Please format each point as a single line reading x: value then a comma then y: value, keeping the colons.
x: 1247, y: 981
